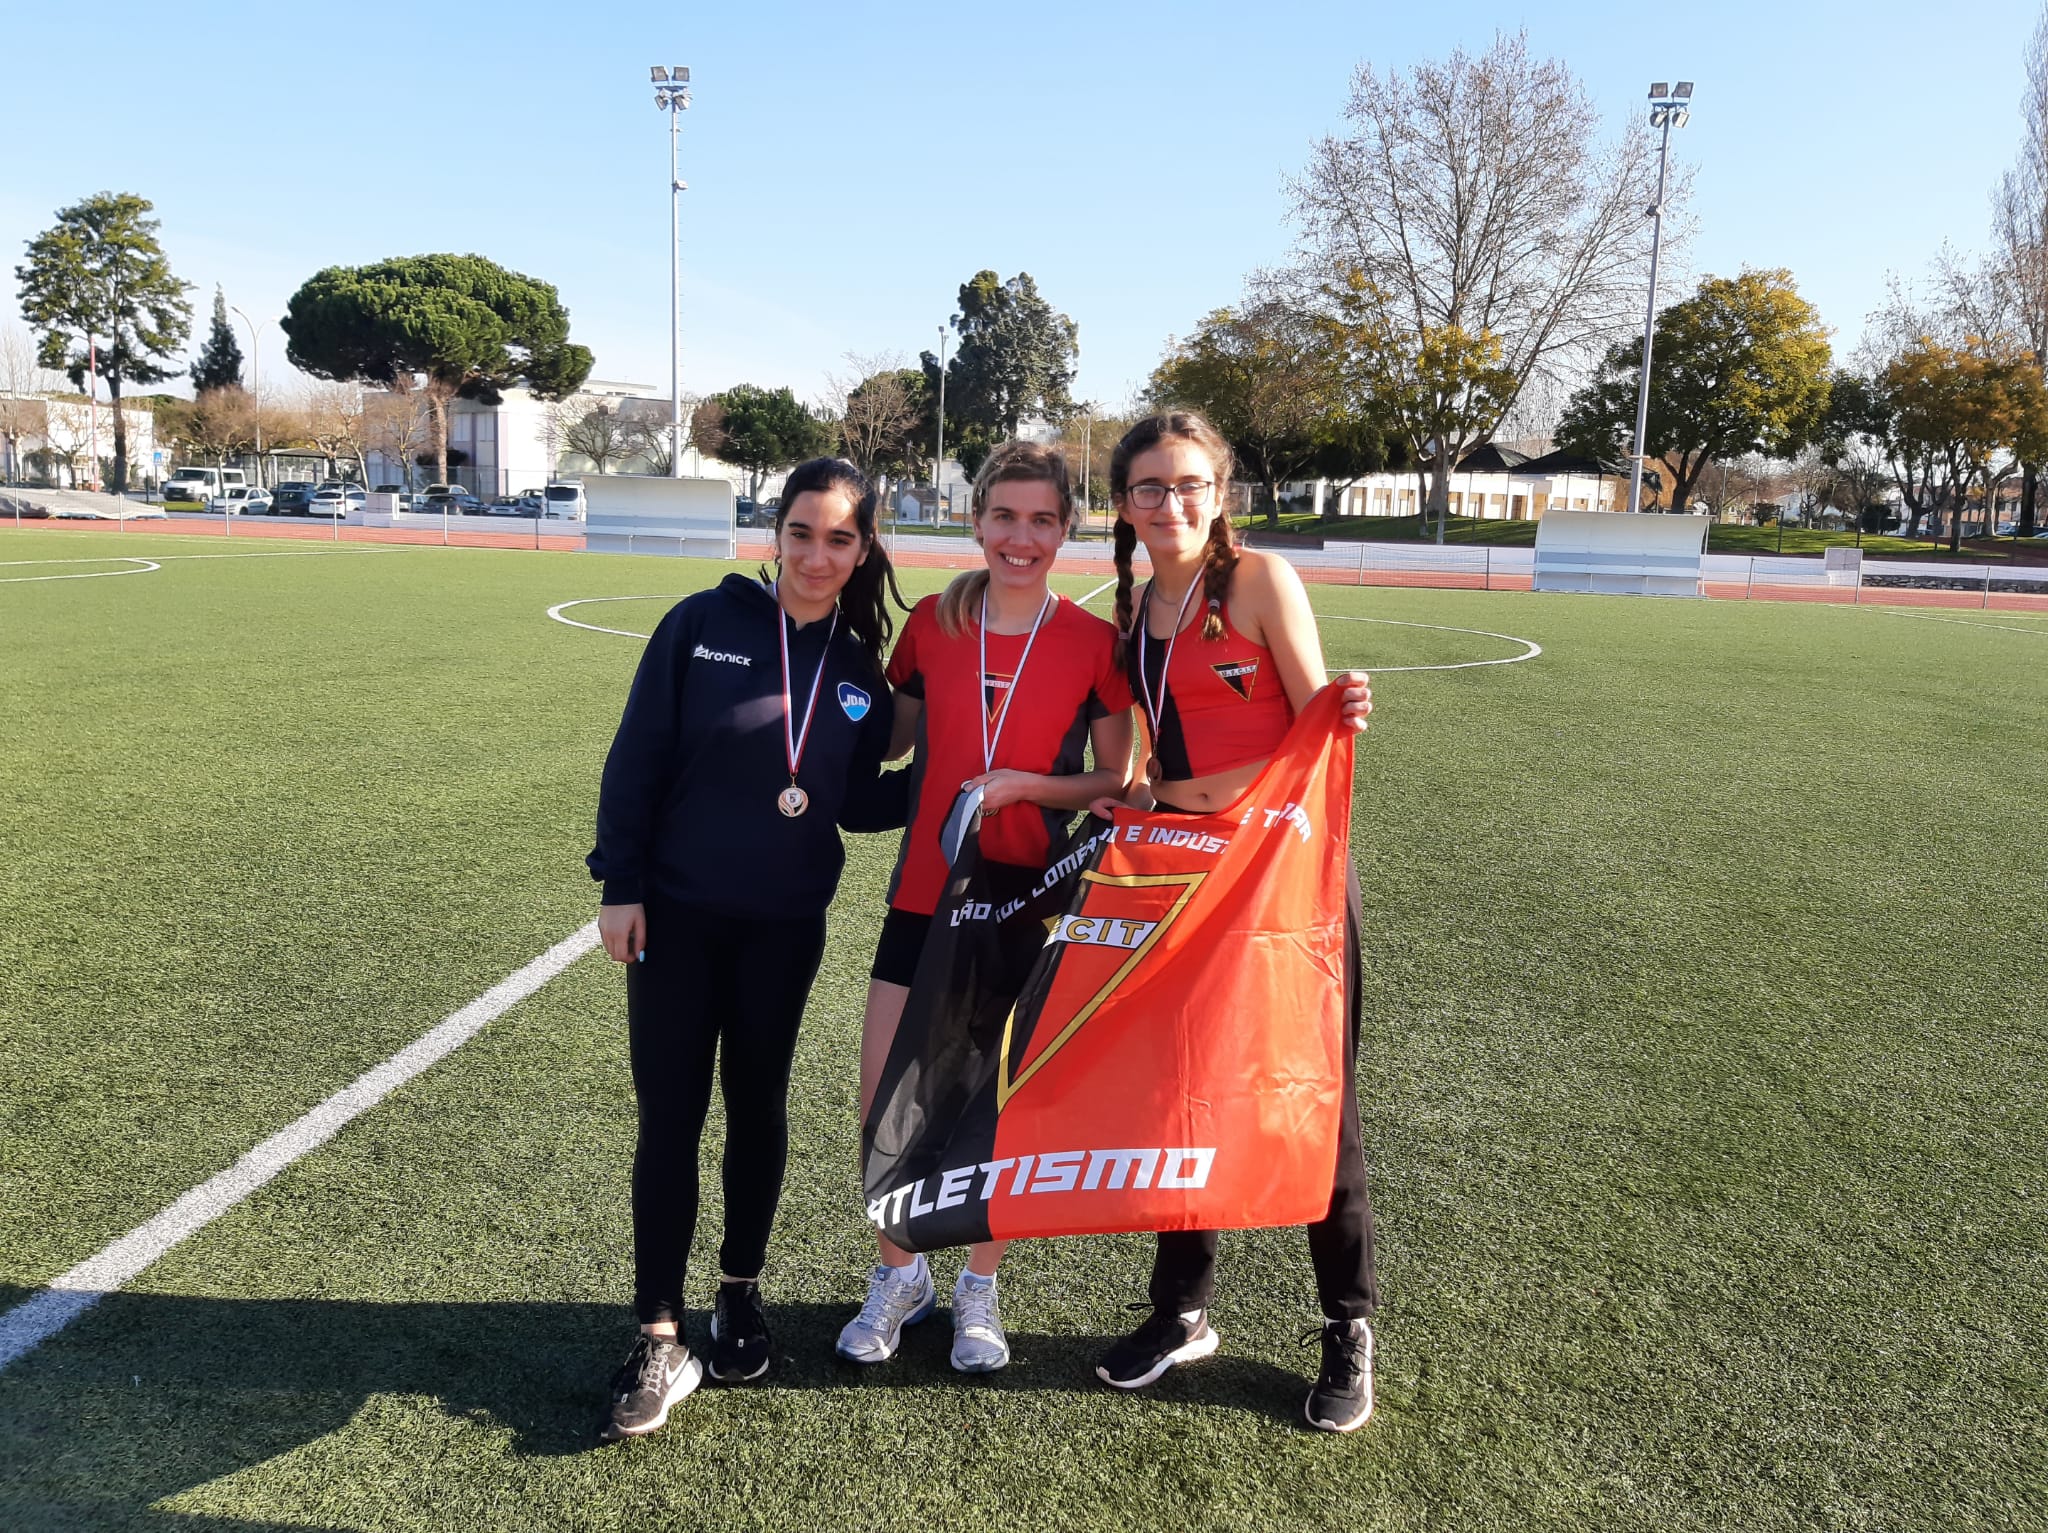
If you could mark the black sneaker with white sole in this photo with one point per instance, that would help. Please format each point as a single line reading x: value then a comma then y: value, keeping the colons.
x: 739, y: 1334
x: 1166, y: 1338
x: 657, y: 1373
x: 1342, y: 1398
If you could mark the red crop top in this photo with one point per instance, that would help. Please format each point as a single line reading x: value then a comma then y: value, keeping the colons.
x: 1222, y: 705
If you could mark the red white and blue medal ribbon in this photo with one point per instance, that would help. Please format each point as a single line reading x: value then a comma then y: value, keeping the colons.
x: 792, y: 800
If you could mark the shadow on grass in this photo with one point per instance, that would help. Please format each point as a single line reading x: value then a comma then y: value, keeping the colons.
x: 148, y: 1396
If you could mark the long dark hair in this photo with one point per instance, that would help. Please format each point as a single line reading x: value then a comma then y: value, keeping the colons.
x: 1220, y: 557
x: 863, y: 601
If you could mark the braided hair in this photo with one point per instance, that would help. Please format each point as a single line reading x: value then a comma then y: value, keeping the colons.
x: 1219, y: 558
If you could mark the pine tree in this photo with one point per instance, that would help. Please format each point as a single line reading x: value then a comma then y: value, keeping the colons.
x: 219, y: 363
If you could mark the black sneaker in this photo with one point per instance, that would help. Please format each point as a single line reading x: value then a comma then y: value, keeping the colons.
x: 1342, y: 1398
x: 657, y: 1373
x: 1164, y: 1339
x: 739, y: 1334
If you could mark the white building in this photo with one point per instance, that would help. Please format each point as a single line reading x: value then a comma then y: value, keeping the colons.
x: 52, y: 437
x: 1491, y: 483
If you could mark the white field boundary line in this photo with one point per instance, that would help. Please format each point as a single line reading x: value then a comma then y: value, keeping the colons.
x: 70, y: 1295
x: 559, y: 608
x: 1957, y: 622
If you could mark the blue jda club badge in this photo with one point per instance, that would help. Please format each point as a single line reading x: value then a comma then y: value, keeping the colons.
x: 854, y: 701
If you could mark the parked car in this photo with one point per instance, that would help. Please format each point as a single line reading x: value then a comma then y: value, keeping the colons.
x: 566, y: 502
x: 456, y: 501
x: 241, y: 500
x: 336, y: 500
x: 401, y: 497
x: 290, y: 497
x: 503, y: 505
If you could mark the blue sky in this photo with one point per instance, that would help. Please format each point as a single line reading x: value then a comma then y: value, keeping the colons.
x: 850, y: 166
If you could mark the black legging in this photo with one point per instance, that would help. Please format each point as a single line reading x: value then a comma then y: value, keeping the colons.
x: 734, y: 987
x: 1339, y: 1243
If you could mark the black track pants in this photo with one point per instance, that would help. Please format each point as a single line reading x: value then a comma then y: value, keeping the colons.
x: 1339, y: 1243
x: 733, y: 989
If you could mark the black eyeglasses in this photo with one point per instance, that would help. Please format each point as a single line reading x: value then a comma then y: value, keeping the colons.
x: 1150, y: 497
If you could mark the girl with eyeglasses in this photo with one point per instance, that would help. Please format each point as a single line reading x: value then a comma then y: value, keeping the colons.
x: 1223, y: 652
x: 1000, y: 685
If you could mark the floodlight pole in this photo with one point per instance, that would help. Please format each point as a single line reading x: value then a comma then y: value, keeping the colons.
x: 1664, y: 114
x: 939, y: 451
x: 672, y: 95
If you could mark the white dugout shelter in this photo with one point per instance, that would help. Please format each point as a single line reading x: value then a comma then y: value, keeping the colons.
x: 1620, y: 553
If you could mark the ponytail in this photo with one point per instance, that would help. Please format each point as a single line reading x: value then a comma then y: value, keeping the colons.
x: 962, y: 595
x: 864, y: 600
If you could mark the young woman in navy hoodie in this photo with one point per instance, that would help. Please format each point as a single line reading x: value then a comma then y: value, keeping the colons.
x: 755, y: 731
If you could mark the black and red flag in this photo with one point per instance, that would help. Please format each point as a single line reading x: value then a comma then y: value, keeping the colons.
x: 1146, y: 1036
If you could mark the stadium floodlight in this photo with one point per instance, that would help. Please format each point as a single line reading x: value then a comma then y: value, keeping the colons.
x: 672, y: 95
x: 1666, y: 114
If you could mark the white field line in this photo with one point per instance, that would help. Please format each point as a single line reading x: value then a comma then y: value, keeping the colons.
x: 35, y: 1320
x: 1958, y: 622
x: 148, y: 568
x: 559, y: 608
x: 1530, y: 651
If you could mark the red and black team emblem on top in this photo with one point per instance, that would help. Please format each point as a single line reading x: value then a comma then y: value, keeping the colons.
x: 1238, y: 675
x: 994, y: 688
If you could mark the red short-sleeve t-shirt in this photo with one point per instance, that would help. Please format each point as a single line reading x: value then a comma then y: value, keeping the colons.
x: 1070, y: 680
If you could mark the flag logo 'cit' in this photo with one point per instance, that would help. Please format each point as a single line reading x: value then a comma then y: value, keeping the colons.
x: 1121, y: 919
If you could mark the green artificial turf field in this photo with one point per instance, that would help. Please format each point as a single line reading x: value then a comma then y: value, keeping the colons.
x: 1702, y: 1086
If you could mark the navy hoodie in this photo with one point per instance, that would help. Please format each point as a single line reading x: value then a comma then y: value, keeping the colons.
x: 687, y: 810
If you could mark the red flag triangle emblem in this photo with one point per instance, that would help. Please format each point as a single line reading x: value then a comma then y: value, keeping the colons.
x: 1238, y: 675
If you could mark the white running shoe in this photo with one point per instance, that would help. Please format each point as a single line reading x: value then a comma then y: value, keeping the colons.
x: 979, y: 1345
x: 893, y: 1302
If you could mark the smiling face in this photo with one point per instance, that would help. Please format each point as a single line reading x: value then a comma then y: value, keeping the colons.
x: 1020, y: 531
x: 1178, y: 528
x: 820, y: 546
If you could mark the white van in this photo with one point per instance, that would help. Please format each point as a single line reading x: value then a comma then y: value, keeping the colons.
x: 566, y: 502
x: 201, y: 485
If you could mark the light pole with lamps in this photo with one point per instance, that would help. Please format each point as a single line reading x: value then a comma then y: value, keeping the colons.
x: 939, y: 451
x: 256, y: 406
x: 1668, y: 109
x: 672, y: 95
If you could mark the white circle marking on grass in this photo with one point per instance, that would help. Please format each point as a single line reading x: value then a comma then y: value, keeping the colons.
x: 1531, y: 649
x: 559, y: 608
x: 148, y: 567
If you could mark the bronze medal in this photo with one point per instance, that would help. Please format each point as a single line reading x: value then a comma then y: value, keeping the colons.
x: 792, y: 801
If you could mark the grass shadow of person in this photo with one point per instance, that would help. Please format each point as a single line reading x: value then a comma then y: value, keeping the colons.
x: 148, y: 1396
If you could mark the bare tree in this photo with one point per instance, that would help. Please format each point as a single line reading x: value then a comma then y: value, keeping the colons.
x: 396, y: 425
x: 878, y: 403
x: 598, y: 432
x: 1473, y: 199
x: 337, y: 421
x: 220, y: 424
x: 650, y: 434
x: 23, y: 380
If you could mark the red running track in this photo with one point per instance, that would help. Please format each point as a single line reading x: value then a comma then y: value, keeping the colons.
x: 1085, y: 564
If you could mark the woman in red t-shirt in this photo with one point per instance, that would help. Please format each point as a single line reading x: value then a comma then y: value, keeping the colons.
x: 1223, y: 649
x: 1002, y: 685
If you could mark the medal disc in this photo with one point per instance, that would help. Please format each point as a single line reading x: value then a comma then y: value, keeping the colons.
x: 792, y: 801
x: 1152, y: 769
